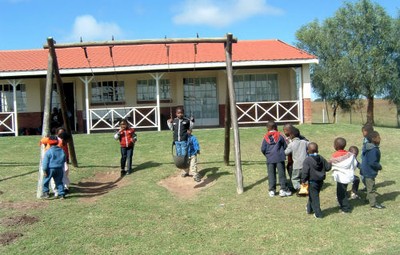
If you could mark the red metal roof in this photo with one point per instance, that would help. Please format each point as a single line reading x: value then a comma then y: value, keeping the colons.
x: 150, y: 54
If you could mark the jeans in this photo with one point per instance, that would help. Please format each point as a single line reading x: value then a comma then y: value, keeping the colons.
x: 126, y: 157
x: 343, y: 200
x: 313, y: 204
x: 181, y: 148
x: 57, y: 174
x: 271, y: 168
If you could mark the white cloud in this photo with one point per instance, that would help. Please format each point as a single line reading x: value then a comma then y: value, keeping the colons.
x: 222, y: 13
x: 90, y: 29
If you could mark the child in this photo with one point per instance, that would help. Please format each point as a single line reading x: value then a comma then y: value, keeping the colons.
x: 193, y: 150
x: 289, y: 165
x: 127, y: 138
x: 314, y: 172
x: 370, y: 165
x: 52, y: 165
x: 356, y: 180
x: 273, y: 148
x: 298, y: 149
x: 180, y: 126
x: 343, y: 166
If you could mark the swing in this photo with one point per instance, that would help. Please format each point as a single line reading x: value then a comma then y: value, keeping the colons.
x: 181, y: 162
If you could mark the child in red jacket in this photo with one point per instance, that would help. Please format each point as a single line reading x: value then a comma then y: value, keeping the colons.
x: 127, y: 138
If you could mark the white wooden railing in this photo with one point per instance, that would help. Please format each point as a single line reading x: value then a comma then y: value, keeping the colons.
x: 137, y: 117
x: 7, y: 123
x: 262, y: 112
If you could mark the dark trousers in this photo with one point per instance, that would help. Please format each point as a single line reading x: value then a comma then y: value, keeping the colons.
x: 313, y: 204
x: 126, y: 157
x: 271, y: 168
x: 356, y: 184
x: 371, y: 190
x: 342, y: 197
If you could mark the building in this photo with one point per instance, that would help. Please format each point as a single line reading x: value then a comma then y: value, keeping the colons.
x: 103, y: 84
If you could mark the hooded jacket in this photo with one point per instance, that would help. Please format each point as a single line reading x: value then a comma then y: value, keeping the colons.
x: 127, y: 137
x: 370, y: 159
x: 343, y: 165
x: 273, y: 147
x: 314, y: 168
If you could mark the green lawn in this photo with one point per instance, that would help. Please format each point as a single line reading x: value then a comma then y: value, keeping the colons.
x: 142, y: 217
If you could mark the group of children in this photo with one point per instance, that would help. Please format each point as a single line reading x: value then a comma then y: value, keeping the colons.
x: 307, y: 168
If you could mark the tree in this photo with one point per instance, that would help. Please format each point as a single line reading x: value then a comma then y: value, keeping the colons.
x: 354, y: 49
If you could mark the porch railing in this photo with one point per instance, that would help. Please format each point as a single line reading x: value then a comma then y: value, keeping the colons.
x: 7, y: 123
x: 137, y: 117
x: 262, y: 112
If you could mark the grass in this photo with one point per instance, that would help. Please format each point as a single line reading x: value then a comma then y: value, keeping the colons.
x: 142, y: 217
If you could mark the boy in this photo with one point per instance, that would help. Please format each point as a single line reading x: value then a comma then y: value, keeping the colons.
x: 193, y: 150
x: 343, y: 166
x: 180, y: 126
x: 356, y: 181
x: 298, y: 149
x: 127, y: 138
x: 370, y: 165
x: 53, y: 167
x: 314, y: 172
x: 273, y: 148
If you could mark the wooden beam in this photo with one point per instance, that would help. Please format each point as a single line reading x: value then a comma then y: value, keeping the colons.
x: 227, y: 125
x: 46, y: 121
x: 60, y: 90
x: 140, y: 42
x: 232, y: 100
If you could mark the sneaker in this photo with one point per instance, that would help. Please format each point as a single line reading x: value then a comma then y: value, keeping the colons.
x: 344, y: 211
x: 307, y: 211
x: 197, y: 178
x: 271, y: 193
x: 184, y: 174
x: 378, y: 206
x: 123, y: 173
x: 317, y: 217
x: 354, y: 196
x: 283, y: 193
x: 45, y: 195
x: 128, y: 172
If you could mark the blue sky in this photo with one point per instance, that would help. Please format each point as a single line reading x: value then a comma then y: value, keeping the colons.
x: 25, y: 24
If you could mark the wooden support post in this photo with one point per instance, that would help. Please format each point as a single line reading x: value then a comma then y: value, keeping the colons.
x: 227, y: 125
x: 232, y: 100
x: 60, y: 89
x: 46, y: 121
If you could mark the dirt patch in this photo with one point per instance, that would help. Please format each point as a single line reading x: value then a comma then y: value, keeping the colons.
x: 23, y: 206
x: 185, y: 188
x: 89, y: 190
x: 19, y: 220
x: 8, y: 238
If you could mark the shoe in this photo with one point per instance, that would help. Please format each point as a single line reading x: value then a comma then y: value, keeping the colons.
x: 66, y: 191
x: 378, y: 206
x: 344, y: 211
x: 283, y: 193
x: 45, y: 195
x: 184, y: 175
x: 197, y: 178
x: 307, y: 211
x: 317, y: 217
x: 128, y: 172
x: 354, y: 196
x: 62, y: 197
x: 123, y: 173
x: 271, y: 193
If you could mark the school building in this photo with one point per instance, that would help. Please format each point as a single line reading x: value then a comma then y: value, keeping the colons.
x: 103, y: 84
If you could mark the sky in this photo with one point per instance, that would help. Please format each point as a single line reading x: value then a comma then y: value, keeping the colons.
x: 26, y: 24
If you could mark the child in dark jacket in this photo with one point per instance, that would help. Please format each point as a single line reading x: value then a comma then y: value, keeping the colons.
x: 314, y: 173
x: 180, y: 125
x: 273, y: 148
x: 127, y: 138
x: 370, y: 165
x: 53, y: 166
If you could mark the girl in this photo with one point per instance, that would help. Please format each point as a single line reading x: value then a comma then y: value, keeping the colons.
x: 127, y: 138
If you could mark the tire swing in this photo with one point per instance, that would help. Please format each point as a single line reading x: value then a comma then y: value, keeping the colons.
x: 181, y: 162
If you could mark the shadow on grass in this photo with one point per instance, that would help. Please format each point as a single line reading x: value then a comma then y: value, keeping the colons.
x: 391, y: 196
x: 384, y: 184
x: 255, y: 184
x: 19, y: 175
x: 214, y: 175
x: 6, y: 164
x: 146, y: 165
x: 92, y: 189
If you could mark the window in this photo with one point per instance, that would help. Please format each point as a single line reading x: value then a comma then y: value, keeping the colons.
x: 7, y: 98
x: 108, y: 92
x: 146, y: 90
x: 256, y: 87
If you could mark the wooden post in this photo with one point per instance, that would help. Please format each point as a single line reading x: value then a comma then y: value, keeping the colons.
x: 232, y: 100
x: 60, y: 89
x: 46, y: 121
x: 227, y: 125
